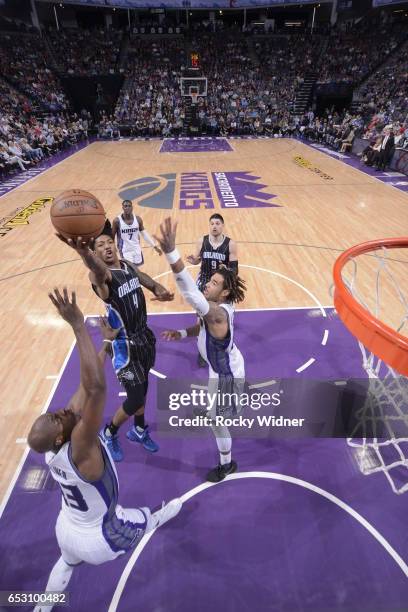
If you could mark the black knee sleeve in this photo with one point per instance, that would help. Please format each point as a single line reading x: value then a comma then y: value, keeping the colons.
x: 135, y: 399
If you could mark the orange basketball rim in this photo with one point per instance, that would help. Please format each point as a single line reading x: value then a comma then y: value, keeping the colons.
x: 384, y: 342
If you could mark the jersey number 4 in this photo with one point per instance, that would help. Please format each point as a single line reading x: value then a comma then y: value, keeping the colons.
x: 73, y: 497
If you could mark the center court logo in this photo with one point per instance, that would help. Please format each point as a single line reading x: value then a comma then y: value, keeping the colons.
x: 197, y: 190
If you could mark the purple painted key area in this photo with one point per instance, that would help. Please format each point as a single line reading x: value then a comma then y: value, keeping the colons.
x: 250, y: 544
x: 200, y: 144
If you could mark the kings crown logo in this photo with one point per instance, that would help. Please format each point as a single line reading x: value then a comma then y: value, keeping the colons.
x: 197, y: 190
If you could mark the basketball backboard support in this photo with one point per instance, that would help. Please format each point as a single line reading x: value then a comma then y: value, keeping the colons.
x: 193, y: 86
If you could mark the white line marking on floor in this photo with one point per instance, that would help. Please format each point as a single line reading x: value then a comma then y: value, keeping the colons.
x: 267, y: 383
x: 309, y: 293
x: 156, y: 373
x: 305, y: 365
x: 325, y: 337
x: 272, y: 476
x: 25, y: 454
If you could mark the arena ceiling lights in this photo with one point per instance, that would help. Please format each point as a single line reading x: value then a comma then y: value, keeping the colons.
x: 186, y: 4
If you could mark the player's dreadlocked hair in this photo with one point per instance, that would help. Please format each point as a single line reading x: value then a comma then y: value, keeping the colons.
x: 235, y: 285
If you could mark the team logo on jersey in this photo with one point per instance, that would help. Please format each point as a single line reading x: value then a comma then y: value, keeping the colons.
x: 198, y: 190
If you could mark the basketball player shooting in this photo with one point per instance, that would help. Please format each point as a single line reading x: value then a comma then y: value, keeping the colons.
x: 91, y: 526
x: 128, y: 228
x: 119, y: 284
x: 215, y: 332
x: 213, y: 250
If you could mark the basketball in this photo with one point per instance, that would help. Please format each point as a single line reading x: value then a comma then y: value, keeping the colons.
x: 77, y: 213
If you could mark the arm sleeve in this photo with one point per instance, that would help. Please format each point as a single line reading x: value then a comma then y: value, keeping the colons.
x: 191, y: 293
x: 233, y: 265
x: 148, y: 238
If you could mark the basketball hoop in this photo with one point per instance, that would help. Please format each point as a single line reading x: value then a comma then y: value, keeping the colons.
x: 381, y: 433
x: 386, y: 344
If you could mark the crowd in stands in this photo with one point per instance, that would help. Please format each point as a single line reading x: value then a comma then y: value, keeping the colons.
x: 387, y: 88
x: 86, y: 53
x: 26, y: 139
x: 350, y: 58
x: 150, y: 99
x: 24, y: 62
x: 252, y: 84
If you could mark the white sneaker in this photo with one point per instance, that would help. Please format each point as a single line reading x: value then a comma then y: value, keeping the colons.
x: 166, y: 512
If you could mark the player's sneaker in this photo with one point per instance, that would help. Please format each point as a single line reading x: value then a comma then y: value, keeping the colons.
x: 166, y: 512
x: 113, y: 444
x: 221, y: 471
x: 143, y: 437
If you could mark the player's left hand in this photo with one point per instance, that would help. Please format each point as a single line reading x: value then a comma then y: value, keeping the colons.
x: 108, y: 333
x: 162, y: 294
x: 158, y: 251
x: 167, y: 240
x: 171, y: 334
x: 67, y: 308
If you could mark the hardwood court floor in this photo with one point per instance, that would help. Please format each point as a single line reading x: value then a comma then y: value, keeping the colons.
x: 321, y: 207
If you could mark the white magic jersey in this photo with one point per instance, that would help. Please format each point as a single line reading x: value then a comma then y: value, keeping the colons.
x: 129, y: 240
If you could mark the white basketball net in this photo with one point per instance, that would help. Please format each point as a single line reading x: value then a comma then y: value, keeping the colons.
x: 385, y: 409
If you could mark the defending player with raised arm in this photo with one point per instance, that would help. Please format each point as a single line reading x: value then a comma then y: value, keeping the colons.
x: 91, y: 527
x: 214, y: 250
x: 119, y: 284
x: 215, y: 337
x: 127, y: 228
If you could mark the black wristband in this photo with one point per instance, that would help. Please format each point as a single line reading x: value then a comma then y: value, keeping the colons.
x: 233, y: 265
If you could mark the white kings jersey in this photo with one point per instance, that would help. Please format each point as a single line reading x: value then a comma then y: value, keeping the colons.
x: 129, y: 240
x: 84, y: 503
x: 223, y: 356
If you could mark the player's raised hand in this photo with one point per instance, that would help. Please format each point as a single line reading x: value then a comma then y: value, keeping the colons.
x: 67, y: 307
x: 162, y: 294
x: 108, y: 332
x: 167, y: 238
x: 171, y: 334
x: 80, y: 245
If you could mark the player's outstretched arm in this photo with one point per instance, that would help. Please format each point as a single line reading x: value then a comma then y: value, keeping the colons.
x: 233, y: 258
x: 161, y: 293
x: 196, y: 258
x: 99, y: 271
x: 115, y: 229
x: 147, y: 237
x: 178, y: 334
x: 92, y: 378
x: 77, y: 401
x: 184, y: 280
